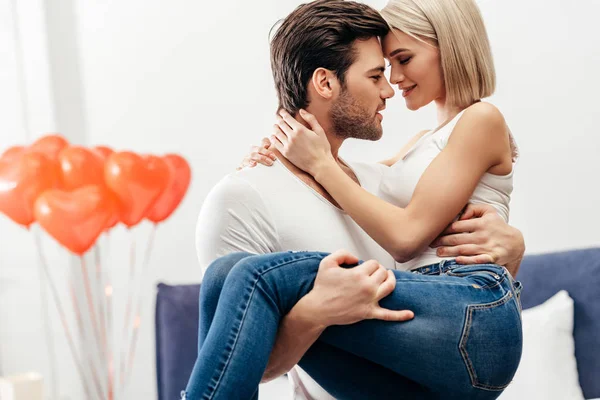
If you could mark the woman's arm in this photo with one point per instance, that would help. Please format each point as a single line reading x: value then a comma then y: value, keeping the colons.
x: 262, y: 155
x: 479, y: 142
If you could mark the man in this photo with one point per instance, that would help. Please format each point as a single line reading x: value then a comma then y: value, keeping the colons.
x: 325, y: 58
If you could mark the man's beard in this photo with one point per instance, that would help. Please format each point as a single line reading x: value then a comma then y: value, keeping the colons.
x: 350, y: 119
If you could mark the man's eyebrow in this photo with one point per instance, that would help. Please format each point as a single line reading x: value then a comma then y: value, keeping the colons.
x: 393, y: 53
x: 379, y: 68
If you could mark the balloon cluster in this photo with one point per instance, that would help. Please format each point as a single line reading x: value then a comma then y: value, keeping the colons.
x: 77, y: 193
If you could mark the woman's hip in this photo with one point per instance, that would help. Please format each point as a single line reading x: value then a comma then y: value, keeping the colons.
x: 465, y: 338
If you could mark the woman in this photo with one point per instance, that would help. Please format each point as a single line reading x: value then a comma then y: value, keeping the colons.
x: 465, y: 340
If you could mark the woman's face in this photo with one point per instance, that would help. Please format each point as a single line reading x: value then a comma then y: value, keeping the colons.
x: 415, y: 68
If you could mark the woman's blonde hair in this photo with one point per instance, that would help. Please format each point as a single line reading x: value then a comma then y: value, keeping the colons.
x: 457, y: 30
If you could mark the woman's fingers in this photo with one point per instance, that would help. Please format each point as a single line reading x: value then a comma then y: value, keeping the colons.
x: 312, y: 121
x: 262, y: 155
x: 289, y: 120
x: 246, y: 162
x: 285, y: 127
x: 265, y: 142
x: 279, y: 137
x: 263, y: 151
x: 259, y: 158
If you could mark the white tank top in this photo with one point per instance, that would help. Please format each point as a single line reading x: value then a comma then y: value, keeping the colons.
x: 400, y: 180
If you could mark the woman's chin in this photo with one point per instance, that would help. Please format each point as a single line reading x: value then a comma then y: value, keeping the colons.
x: 412, y: 106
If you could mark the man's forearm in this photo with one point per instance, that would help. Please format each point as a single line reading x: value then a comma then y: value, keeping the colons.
x: 297, y: 332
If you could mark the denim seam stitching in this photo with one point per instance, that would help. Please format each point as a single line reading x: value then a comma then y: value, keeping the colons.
x: 498, y: 282
x: 512, y: 283
x: 431, y: 281
x: 465, y: 337
x: 224, y: 368
x: 260, y: 274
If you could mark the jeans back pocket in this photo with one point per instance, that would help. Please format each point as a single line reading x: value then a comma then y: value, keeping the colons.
x: 491, y: 342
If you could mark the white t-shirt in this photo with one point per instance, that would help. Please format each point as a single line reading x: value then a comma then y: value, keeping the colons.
x: 269, y: 209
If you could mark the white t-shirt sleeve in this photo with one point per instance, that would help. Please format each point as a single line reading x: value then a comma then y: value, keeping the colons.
x: 234, y: 218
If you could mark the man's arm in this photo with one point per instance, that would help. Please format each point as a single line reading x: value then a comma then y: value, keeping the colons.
x: 235, y: 218
x: 297, y: 332
x: 340, y: 296
x: 482, y: 236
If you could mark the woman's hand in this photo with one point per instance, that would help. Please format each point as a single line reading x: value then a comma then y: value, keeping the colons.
x: 308, y: 149
x: 259, y: 154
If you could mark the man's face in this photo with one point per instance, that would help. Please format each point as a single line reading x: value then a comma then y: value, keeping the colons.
x: 355, y: 112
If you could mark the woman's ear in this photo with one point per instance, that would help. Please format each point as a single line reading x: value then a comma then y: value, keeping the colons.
x: 325, y: 83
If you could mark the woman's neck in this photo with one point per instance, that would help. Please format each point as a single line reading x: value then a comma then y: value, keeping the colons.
x: 445, y: 113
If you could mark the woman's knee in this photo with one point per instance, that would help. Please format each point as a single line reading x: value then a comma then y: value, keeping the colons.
x: 268, y: 266
x: 218, y: 270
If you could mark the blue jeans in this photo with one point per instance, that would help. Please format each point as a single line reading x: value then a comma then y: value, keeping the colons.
x: 464, y: 342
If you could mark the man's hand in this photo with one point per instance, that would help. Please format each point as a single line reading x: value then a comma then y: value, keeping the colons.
x: 481, y: 236
x: 343, y: 296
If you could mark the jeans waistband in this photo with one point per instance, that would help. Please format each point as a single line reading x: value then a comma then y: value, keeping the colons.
x: 437, y: 268
x: 446, y: 265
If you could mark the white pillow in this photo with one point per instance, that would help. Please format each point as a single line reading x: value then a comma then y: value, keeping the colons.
x: 548, y: 369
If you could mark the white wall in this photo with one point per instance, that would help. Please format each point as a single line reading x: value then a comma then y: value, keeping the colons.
x: 194, y: 78
x: 27, y: 111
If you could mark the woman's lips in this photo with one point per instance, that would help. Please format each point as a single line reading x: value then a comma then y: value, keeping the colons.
x: 406, y: 92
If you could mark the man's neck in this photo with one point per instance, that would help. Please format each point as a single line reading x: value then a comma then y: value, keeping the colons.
x: 335, y: 142
x: 310, y: 180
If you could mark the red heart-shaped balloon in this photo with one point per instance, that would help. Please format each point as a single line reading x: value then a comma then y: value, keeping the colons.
x: 75, y: 219
x: 179, y: 181
x: 81, y: 167
x: 103, y: 151
x: 137, y: 182
x: 12, y: 153
x: 22, y: 181
x: 49, y: 145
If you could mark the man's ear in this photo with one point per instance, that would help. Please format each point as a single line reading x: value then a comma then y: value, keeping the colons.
x: 325, y: 83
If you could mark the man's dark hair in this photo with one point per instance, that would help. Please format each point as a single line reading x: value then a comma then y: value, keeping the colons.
x: 319, y: 34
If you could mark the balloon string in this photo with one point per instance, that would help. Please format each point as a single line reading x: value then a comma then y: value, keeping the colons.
x: 49, y: 337
x: 108, y: 292
x: 100, y: 287
x: 138, y: 302
x: 63, y: 318
x: 83, y: 336
x: 127, y: 309
x: 92, y: 309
